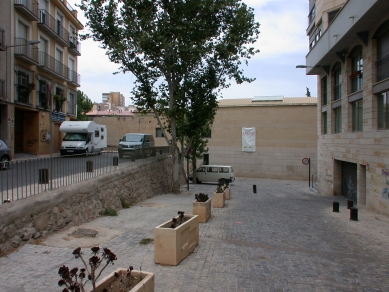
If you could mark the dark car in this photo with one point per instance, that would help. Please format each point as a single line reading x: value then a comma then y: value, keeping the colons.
x: 5, y: 155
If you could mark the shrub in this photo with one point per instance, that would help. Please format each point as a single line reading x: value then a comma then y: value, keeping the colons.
x: 201, y: 197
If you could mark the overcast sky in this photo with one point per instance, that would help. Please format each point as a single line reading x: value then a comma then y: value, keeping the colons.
x: 283, y: 44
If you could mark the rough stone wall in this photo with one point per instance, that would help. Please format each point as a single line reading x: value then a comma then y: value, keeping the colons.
x: 29, y: 219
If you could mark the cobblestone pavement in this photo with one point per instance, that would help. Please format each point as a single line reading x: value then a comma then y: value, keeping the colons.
x: 283, y: 238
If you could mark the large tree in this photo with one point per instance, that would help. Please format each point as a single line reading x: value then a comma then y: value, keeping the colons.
x: 169, y: 44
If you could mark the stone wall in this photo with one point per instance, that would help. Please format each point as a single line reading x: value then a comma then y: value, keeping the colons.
x: 29, y: 219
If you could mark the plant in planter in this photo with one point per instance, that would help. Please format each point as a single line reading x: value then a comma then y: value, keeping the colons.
x: 227, y: 190
x: 75, y: 279
x: 24, y: 91
x: 202, y: 207
x: 218, y: 196
x: 59, y: 99
x: 175, y: 239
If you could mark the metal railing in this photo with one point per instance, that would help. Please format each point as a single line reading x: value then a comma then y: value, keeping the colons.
x: 21, y: 179
x: 54, y: 25
x: 383, y: 68
x: 23, y: 48
x: 74, y: 77
x: 31, y: 5
x: 48, y: 62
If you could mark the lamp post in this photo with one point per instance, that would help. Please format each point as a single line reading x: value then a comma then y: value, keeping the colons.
x: 31, y: 42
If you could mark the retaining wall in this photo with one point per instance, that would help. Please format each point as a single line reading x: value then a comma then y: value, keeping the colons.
x: 29, y: 219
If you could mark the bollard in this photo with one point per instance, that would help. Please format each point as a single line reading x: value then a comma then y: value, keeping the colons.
x: 43, y: 176
x: 254, y: 189
x: 335, y: 207
x: 354, y: 213
x: 115, y: 161
x: 89, y: 166
x: 350, y: 203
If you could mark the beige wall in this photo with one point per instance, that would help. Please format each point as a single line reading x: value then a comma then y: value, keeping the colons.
x: 284, y: 136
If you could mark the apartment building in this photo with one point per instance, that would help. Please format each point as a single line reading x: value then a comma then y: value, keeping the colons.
x: 114, y: 99
x: 39, y: 49
x: 349, y: 53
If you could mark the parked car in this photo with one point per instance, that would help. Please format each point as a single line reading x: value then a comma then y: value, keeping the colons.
x: 212, y: 173
x: 137, y: 144
x: 5, y: 155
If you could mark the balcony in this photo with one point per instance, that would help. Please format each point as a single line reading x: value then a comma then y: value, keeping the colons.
x: 53, y: 27
x: 74, y: 46
x: 53, y: 66
x: 383, y: 68
x: 2, y: 39
x: 2, y: 89
x: 29, y: 8
x: 24, y: 85
x: 74, y: 78
x: 26, y: 52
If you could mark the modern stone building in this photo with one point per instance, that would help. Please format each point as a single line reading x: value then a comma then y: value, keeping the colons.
x: 39, y: 48
x: 349, y: 53
x: 114, y: 99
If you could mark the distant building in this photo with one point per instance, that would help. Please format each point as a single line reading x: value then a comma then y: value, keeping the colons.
x: 349, y: 53
x: 114, y: 98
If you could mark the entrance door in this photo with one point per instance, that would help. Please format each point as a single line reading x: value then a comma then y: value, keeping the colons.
x: 19, y: 133
x: 349, y: 180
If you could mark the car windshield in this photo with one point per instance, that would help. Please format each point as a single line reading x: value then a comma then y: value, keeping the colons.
x: 132, y: 138
x: 75, y: 137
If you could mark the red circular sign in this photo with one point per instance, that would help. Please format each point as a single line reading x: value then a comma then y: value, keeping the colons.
x: 305, y: 161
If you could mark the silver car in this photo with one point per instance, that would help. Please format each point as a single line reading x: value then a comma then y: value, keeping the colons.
x: 5, y: 155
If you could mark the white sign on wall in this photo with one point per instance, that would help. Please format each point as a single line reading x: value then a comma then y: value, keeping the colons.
x: 248, y: 139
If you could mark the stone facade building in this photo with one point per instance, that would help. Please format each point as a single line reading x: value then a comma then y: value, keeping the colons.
x: 39, y: 48
x: 349, y: 53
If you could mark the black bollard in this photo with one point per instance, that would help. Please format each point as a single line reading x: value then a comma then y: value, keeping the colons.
x: 115, y: 161
x: 350, y: 203
x: 254, y: 189
x: 354, y: 213
x: 89, y: 166
x: 335, y: 207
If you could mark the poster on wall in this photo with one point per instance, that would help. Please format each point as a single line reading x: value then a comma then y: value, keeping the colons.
x: 248, y: 139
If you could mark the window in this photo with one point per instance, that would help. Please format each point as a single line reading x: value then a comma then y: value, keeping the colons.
x: 97, y: 133
x: 383, y: 111
x: 358, y: 116
x: 158, y: 133
x: 24, y: 84
x: 382, y: 36
x: 324, y: 123
x: 338, y: 119
x: 324, y: 90
x: 72, y: 103
x: 357, y: 70
x: 43, y: 93
x: 209, y: 134
x: 332, y: 14
x: 337, y: 78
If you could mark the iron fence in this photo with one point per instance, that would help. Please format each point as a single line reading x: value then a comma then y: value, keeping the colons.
x: 21, y: 179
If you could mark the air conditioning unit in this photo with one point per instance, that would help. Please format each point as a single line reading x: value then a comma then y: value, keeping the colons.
x: 22, y: 80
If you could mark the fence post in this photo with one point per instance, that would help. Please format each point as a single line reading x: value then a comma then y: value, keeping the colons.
x: 89, y: 166
x: 43, y: 176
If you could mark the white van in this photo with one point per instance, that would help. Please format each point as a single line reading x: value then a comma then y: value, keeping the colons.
x: 212, y: 173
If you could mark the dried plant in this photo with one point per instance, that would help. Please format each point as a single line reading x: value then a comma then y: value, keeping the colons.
x: 201, y: 197
x: 178, y: 221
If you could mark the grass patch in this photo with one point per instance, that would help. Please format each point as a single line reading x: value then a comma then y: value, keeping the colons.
x: 125, y: 204
x: 145, y: 241
x: 109, y: 212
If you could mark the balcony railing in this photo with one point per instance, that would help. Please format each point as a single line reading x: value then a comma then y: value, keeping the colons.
x: 2, y: 89
x: 74, y: 78
x: 28, y: 8
x: 2, y: 39
x: 74, y: 46
x: 383, y: 68
x: 25, y: 51
x: 53, y: 27
x: 48, y: 63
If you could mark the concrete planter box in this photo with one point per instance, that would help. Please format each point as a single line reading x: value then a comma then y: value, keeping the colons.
x: 108, y: 282
x: 218, y: 200
x: 227, y: 193
x: 172, y: 245
x: 203, y: 210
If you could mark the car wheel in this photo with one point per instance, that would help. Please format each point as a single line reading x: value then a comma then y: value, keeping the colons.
x: 198, y: 181
x: 4, y: 162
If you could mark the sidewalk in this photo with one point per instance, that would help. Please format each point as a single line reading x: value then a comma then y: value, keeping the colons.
x: 283, y: 238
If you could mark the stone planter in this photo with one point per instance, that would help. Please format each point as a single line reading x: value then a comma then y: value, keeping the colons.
x: 109, y: 282
x: 203, y: 210
x: 218, y: 200
x: 227, y: 193
x: 172, y: 245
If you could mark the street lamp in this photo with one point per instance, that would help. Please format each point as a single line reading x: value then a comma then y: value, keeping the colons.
x: 31, y: 42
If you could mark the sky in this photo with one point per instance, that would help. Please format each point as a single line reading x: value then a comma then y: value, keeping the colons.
x: 283, y: 44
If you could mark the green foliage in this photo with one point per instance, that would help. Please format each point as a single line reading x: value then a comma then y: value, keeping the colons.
x: 109, y: 212
x: 145, y: 241
x: 182, y: 53
x: 125, y: 204
x: 84, y: 105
